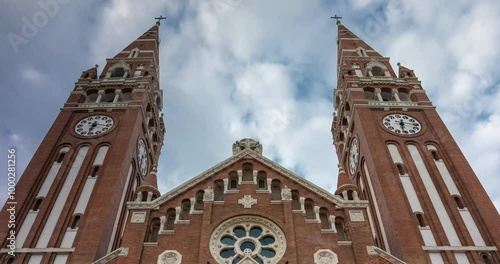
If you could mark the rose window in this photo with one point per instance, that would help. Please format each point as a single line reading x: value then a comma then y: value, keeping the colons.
x: 248, y: 239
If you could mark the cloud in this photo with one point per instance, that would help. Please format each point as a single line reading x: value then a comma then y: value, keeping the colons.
x: 266, y: 69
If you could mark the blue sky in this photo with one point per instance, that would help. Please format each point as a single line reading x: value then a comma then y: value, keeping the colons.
x: 265, y: 69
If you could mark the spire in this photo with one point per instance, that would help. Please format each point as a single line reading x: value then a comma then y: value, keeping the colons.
x: 144, y: 51
x: 349, y: 44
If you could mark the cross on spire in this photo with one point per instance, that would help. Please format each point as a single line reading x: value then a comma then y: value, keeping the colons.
x: 159, y: 19
x: 338, y: 18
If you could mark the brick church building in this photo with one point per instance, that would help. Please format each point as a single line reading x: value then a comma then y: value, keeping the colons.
x: 405, y: 192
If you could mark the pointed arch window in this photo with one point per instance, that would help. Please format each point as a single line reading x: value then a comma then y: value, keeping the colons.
x: 377, y: 71
x: 435, y: 155
x: 486, y: 258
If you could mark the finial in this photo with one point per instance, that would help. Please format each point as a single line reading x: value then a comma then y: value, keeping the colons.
x: 399, y: 64
x: 96, y: 66
x: 159, y: 19
x: 338, y: 18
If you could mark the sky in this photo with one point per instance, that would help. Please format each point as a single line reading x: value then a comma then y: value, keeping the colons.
x: 232, y: 69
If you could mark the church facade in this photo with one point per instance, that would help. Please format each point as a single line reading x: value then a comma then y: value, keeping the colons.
x: 406, y: 193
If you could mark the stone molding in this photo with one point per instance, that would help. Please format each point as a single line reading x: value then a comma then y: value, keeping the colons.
x: 248, y: 154
x: 325, y: 256
x: 375, y: 251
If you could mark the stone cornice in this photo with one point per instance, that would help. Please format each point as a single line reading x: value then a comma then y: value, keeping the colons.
x: 372, y: 250
x: 248, y: 154
x: 458, y: 248
x: 112, y: 255
x: 39, y: 250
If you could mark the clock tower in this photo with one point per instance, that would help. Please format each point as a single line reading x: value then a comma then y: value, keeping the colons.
x: 71, y: 199
x: 426, y: 204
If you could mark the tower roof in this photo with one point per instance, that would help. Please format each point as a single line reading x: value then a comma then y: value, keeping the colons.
x: 349, y: 44
x: 149, y: 40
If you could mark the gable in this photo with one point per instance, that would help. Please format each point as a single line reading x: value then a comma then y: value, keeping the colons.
x: 261, y: 167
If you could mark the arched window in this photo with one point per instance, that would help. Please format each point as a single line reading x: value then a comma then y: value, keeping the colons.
x: 377, y: 71
x: 486, y: 258
x: 126, y: 93
x: 342, y: 232
x: 91, y: 96
x: 435, y: 155
x: 118, y: 72
x: 420, y: 219
x: 154, y: 228
x: 218, y: 190
x: 458, y: 201
x: 350, y: 195
x: 199, y: 200
x: 169, y: 225
x: 323, y: 217
x: 37, y: 204
x: 185, y: 208
x: 295, y: 200
x: 95, y: 171
x: 401, y: 170
x: 60, y: 158
x: 144, y: 196
x: 108, y: 97
x: 369, y: 94
x: 262, y: 180
x: 404, y: 95
x: 9, y: 260
x: 247, y: 172
x: 74, y: 223
x: 309, y: 207
x: 233, y: 180
x: 276, y: 190
x: 386, y: 94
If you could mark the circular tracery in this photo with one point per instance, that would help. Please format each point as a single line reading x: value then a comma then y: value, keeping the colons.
x: 247, y: 239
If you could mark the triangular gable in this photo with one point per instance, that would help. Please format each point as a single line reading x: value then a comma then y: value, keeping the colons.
x: 249, y: 154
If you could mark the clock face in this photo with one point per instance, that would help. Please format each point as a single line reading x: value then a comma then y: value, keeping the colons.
x: 402, y: 124
x: 94, y: 125
x: 353, y: 156
x: 142, y: 156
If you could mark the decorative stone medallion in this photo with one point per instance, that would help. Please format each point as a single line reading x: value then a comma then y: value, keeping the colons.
x: 325, y: 256
x: 247, y: 201
x: 170, y: 257
x: 138, y: 217
x: 356, y: 216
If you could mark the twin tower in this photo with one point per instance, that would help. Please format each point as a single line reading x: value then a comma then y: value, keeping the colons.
x: 406, y: 193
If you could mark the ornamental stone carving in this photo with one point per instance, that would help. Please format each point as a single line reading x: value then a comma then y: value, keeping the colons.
x: 325, y: 256
x: 247, y: 201
x: 286, y: 193
x: 170, y: 257
x: 138, y: 217
x: 208, y: 196
x: 247, y: 143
